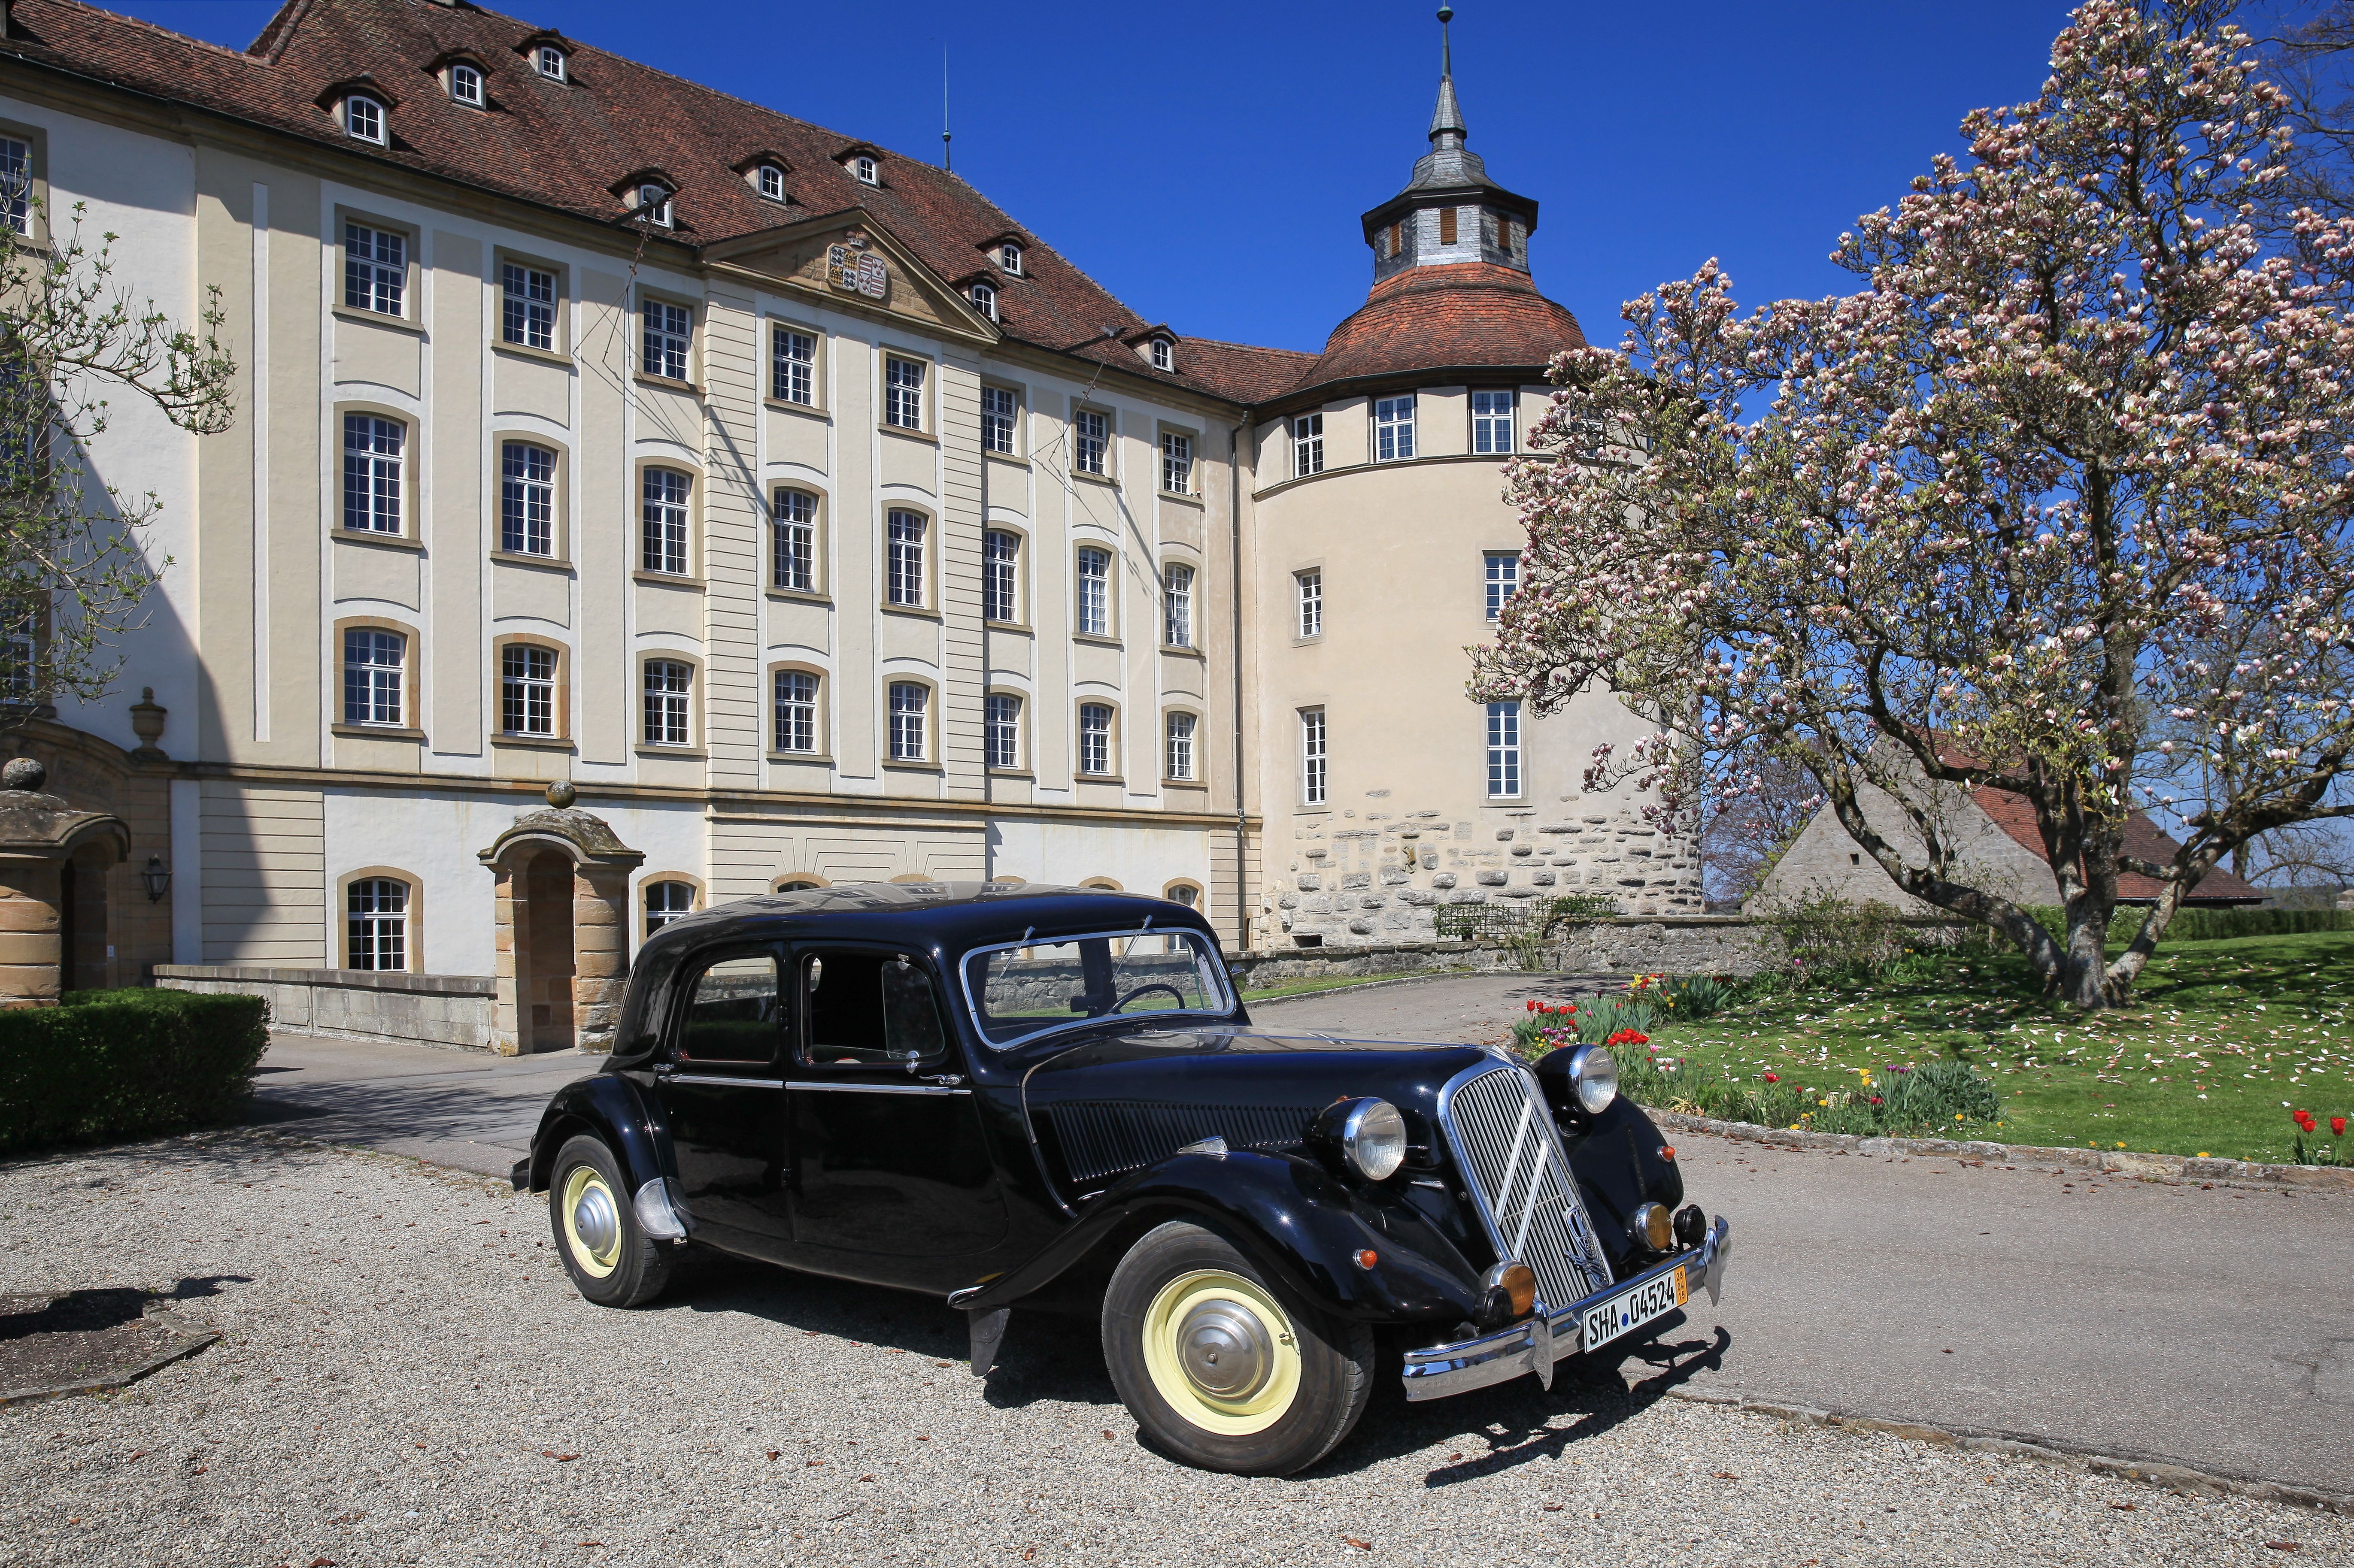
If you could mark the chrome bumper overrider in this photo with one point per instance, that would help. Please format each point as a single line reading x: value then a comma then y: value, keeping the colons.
x: 1534, y: 1344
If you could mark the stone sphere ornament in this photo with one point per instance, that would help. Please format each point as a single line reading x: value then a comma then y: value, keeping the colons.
x: 561, y: 794
x: 24, y: 773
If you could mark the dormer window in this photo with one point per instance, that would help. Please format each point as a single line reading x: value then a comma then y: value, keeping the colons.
x: 466, y: 86
x: 984, y: 299
x: 1009, y: 258
x: 549, y: 61
x: 1164, y: 353
x: 363, y: 119
x: 653, y: 203
x: 771, y: 181
x: 864, y: 170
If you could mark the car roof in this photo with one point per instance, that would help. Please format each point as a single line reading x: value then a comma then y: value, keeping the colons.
x: 950, y: 913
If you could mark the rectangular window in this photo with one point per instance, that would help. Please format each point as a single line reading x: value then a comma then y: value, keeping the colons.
x: 1001, y: 557
x: 665, y: 516
x: 1503, y: 749
x: 909, y: 735
x: 375, y: 269
x: 669, y: 682
x: 669, y: 330
x: 1094, y: 737
x: 1393, y: 429
x: 1310, y: 587
x: 372, y: 473
x: 903, y: 394
x: 527, y: 500
x: 526, y: 689
x: 1001, y: 729
x: 792, y: 546
x: 1177, y: 618
x: 793, y: 366
x: 795, y: 694
x: 530, y: 306
x: 1091, y: 439
x: 997, y: 414
x: 1446, y: 230
x: 1306, y: 445
x: 1176, y: 463
x: 1095, y: 593
x: 373, y: 687
x: 905, y: 586
x: 1491, y: 421
x: 1181, y: 746
x: 16, y: 183
x: 1311, y: 755
x: 377, y: 910
x: 1503, y: 581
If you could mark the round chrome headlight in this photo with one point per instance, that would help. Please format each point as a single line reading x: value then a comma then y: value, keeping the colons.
x: 1594, y: 1073
x: 1372, y: 1139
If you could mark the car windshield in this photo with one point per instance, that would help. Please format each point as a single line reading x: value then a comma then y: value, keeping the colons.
x: 1026, y: 989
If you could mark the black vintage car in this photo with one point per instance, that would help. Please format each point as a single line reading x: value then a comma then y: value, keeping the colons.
x: 1051, y: 1099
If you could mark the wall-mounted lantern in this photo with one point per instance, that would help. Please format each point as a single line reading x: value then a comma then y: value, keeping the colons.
x: 158, y: 880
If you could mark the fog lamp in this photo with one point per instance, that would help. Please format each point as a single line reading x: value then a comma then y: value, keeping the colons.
x: 1652, y: 1226
x: 1691, y: 1225
x: 1594, y: 1073
x: 1507, y: 1293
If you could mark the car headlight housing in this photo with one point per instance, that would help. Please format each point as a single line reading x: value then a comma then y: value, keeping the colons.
x: 1369, y: 1135
x: 1594, y: 1074
x: 1651, y: 1226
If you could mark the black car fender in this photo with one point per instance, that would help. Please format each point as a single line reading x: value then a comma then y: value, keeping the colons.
x: 609, y: 1106
x: 1289, y: 1216
x: 1618, y: 1160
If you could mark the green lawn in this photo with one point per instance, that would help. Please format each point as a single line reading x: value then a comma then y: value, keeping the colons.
x: 2222, y: 1042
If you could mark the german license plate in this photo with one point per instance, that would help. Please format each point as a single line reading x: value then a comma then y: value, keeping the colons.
x: 1630, y: 1310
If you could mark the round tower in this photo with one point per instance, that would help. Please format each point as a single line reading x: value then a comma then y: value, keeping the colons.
x: 1384, y: 548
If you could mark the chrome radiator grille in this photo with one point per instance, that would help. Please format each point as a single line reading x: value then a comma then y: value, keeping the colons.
x: 1497, y: 1123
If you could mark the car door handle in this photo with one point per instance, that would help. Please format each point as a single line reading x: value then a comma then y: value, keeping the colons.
x: 839, y: 1088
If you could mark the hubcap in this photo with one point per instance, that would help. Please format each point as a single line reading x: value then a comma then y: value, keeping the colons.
x: 593, y: 1221
x: 1222, y: 1352
x: 1225, y: 1349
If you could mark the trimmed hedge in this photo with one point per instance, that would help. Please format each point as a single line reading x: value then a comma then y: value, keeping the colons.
x: 2206, y: 925
x: 125, y: 1064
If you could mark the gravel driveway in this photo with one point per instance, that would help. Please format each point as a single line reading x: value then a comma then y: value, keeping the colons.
x: 408, y: 1378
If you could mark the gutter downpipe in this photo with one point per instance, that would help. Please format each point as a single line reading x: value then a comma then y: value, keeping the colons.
x: 1234, y: 608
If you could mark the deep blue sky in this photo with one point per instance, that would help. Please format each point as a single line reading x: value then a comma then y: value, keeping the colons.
x: 1207, y: 164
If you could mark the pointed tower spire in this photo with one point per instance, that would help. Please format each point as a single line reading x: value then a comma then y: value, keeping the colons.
x: 1446, y: 118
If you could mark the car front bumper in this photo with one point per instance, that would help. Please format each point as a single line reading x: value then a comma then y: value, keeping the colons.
x: 1534, y: 1343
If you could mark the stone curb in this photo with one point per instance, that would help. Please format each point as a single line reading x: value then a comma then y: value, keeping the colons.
x: 185, y: 1345
x: 2175, y: 1478
x: 2149, y: 1167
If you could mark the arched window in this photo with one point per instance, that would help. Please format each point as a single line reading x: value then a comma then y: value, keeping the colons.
x: 1184, y: 893
x: 549, y: 61
x: 1009, y: 257
x: 377, y: 910
x: 465, y: 85
x: 1164, y: 353
x: 984, y: 299
x: 665, y: 902
x: 799, y: 884
x: 363, y: 119
x: 772, y: 182
x: 862, y: 169
x: 653, y: 203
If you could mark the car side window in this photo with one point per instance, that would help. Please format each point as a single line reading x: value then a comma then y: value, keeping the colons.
x: 867, y: 1010
x: 736, y: 1012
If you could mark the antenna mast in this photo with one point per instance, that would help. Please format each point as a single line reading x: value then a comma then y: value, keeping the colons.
x: 947, y: 160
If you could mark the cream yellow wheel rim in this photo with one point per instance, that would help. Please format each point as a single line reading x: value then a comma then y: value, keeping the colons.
x: 1222, y: 1352
x: 592, y: 1221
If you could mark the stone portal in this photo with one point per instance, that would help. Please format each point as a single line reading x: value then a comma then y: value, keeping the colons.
x: 54, y: 862
x: 561, y: 924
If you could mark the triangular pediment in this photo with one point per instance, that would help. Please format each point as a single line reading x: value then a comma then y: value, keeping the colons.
x: 851, y: 261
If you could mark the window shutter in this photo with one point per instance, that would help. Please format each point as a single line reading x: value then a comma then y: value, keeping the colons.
x: 1446, y: 226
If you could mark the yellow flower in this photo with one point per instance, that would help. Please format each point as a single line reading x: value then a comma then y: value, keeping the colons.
x: 2120, y: 1146
x: 2202, y: 1154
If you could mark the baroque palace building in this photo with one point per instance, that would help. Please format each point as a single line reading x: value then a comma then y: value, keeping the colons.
x: 797, y: 508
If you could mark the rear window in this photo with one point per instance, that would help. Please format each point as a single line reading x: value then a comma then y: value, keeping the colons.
x: 1022, y: 989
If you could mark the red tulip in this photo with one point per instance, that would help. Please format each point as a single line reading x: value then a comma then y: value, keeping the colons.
x: 2337, y: 1126
x: 1533, y: 1005
x: 1773, y: 1078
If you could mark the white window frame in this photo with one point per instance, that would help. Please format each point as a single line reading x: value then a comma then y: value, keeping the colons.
x: 666, y: 521
x: 672, y: 892
x: 910, y: 721
x: 1164, y: 353
x: 1000, y: 577
x: 1308, y: 594
x: 793, y: 711
x: 1095, y: 750
x: 1393, y: 427
x: 666, y: 710
x: 1177, y: 730
x: 793, y: 540
x: 1000, y: 420
x: 984, y: 299
x: 527, y: 498
x: 653, y: 203
x: 1501, y: 577
x: 526, y: 691
x: 16, y: 184
x: 373, y: 503
x: 383, y: 682
x: 1002, y: 730
x: 903, y: 382
x: 903, y: 544
x: 1090, y: 441
x: 1009, y: 258
x: 549, y: 61
x: 1176, y: 463
x: 866, y: 170
x: 1491, y: 422
x: 376, y: 924
x: 1315, y: 780
x: 375, y: 269
x: 1306, y: 445
x: 1177, y: 605
x: 1091, y: 576
x: 792, y: 364
x: 527, y: 306
x: 1504, y: 751
x: 769, y: 181
x: 466, y: 84
x: 366, y: 119
x: 666, y: 340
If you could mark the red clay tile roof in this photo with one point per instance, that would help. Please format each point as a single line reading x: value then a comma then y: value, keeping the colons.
x: 2144, y: 840
x: 565, y: 145
x: 1469, y: 315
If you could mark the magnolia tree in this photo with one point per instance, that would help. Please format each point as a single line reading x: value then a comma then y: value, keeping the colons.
x: 1983, y: 524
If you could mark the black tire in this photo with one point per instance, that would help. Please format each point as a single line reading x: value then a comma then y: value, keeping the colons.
x: 1287, y: 1400
x: 619, y: 1266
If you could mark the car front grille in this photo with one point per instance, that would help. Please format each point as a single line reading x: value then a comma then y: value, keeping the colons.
x: 1501, y: 1134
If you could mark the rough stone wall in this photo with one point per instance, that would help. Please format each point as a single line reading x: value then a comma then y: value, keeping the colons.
x: 1379, y: 876
x: 451, y: 1010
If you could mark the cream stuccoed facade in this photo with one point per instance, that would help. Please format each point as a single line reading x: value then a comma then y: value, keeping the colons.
x: 805, y: 516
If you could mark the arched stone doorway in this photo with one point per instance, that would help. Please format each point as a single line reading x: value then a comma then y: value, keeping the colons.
x: 54, y: 863
x: 561, y: 926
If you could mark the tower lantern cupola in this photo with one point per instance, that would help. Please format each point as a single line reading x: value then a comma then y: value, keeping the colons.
x: 1450, y: 212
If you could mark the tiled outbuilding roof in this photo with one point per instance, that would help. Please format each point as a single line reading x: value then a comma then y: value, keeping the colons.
x: 566, y: 145
x: 2145, y: 840
x: 1469, y: 316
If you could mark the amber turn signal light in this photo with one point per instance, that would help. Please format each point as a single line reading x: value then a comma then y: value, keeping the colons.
x: 1367, y: 1258
x: 1668, y: 1152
